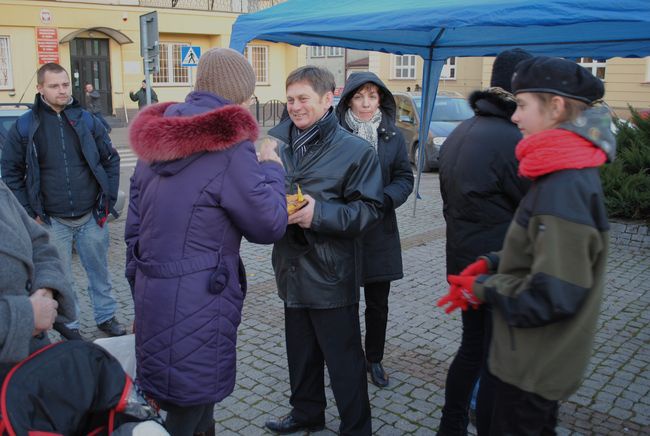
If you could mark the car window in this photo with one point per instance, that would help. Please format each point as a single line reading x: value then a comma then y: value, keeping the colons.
x: 449, y: 109
x: 404, y: 108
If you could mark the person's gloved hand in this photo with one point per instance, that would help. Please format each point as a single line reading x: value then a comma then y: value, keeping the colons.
x: 453, y: 299
x: 476, y: 268
x: 460, y: 294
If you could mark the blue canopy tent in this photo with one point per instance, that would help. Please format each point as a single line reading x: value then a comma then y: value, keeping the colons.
x: 438, y: 29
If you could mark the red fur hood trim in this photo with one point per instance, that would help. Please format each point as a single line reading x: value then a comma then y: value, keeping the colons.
x: 155, y: 138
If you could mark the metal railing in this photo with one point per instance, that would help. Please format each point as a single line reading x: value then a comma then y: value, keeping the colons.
x: 269, y: 113
x: 239, y: 6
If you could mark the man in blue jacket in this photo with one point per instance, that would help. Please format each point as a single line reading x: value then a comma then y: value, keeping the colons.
x: 60, y: 164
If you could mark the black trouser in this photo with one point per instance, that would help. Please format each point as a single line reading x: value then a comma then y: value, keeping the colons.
x: 521, y: 413
x: 188, y: 420
x: 376, y: 315
x: 333, y: 336
x: 469, y: 363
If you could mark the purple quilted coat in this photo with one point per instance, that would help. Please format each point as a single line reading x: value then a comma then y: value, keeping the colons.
x: 197, y: 189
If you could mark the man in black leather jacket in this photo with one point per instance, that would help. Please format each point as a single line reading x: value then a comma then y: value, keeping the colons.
x: 318, y: 262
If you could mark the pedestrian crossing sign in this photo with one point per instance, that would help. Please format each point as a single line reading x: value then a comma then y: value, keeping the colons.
x: 190, y: 56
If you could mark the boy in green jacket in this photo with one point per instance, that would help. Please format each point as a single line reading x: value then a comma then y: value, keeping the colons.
x: 545, y: 286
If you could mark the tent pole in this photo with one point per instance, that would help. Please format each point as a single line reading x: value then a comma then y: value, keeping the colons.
x: 430, y: 77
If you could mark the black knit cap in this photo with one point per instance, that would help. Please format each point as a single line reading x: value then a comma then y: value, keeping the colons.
x: 504, y: 66
x: 557, y: 76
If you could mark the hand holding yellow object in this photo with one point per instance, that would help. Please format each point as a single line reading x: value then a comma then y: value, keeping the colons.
x: 295, y: 201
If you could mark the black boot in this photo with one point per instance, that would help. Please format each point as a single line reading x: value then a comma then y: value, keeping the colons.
x: 288, y: 424
x: 377, y: 374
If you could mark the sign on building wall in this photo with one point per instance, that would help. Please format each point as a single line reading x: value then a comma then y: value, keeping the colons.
x: 46, y: 16
x: 47, y: 44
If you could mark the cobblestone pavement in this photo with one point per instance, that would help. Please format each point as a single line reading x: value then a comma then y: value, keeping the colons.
x: 421, y: 340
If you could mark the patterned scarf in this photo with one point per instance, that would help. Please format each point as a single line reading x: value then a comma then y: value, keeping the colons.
x: 365, y: 129
x: 302, y: 139
x: 554, y: 150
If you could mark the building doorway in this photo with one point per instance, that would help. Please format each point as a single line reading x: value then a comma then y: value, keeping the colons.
x: 90, y: 63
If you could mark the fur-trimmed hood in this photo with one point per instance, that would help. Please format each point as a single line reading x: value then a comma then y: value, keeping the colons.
x: 155, y: 137
x: 494, y: 102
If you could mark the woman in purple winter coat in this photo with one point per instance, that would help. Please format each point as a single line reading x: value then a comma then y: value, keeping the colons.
x: 197, y: 189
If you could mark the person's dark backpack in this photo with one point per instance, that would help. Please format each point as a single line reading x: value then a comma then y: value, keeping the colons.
x: 25, y: 120
x: 69, y: 388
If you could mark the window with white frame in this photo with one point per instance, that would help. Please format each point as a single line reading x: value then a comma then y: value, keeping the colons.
x: 334, y: 52
x: 595, y: 65
x: 258, y: 56
x: 6, y: 76
x: 171, y: 72
x: 403, y: 67
x: 317, y: 52
x: 449, y: 69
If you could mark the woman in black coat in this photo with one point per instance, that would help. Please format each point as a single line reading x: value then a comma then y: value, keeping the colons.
x: 367, y: 108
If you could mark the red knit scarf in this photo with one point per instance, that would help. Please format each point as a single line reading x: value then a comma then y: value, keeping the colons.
x: 555, y: 150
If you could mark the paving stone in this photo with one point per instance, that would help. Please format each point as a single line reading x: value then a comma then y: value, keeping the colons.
x: 621, y: 413
x: 406, y: 426
x: 235, y: 424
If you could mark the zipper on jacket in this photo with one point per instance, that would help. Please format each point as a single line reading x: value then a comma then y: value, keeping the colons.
x: 65, y: 162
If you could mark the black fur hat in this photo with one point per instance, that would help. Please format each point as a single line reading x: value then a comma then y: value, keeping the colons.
x: 504, y: 66
x: 557, y: 76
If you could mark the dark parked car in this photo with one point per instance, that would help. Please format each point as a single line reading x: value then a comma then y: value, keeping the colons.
x: 448, y: 111
x: 9, y: 113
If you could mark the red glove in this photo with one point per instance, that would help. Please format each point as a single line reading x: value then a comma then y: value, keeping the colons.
x: 460, y: 294
x: 476, y: 268
x: 454, y: 299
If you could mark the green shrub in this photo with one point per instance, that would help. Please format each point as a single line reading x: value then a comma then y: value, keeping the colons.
x: 626, y: 181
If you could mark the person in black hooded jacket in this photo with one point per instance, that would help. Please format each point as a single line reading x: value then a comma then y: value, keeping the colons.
x: 367, y: 109
x: 480, y: 190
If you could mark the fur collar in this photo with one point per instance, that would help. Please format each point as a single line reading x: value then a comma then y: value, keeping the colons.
x: 493, y: 101
x: 155, y: 138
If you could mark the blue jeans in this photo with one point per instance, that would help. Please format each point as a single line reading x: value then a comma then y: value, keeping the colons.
x: 91, y: 242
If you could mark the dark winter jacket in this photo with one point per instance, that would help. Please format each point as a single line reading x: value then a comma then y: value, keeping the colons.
x: 548, y: 288
x: 320, y: 267
x: 382, y: 252
x: 21, y: 162
x: 197, y: 189
x: 28, y: 261
x: 479, y: 183
x: 141, y: 97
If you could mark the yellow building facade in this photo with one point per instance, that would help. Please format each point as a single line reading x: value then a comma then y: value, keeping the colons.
x: 99, y: 42
x: 627, y: 80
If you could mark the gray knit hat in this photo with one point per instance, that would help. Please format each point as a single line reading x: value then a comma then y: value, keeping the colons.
x: 226, y: 73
